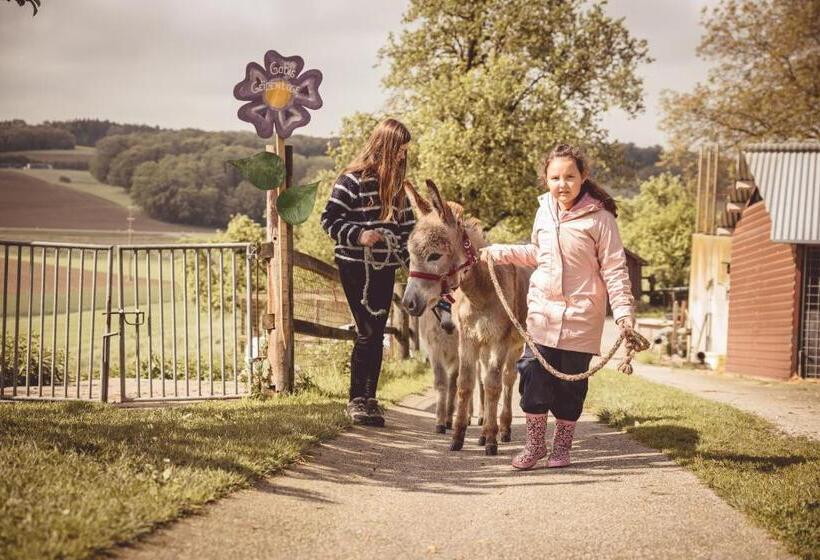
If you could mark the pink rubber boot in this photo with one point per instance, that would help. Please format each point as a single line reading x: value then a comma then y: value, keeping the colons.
x: 561, y: 444
x: 535, y: 447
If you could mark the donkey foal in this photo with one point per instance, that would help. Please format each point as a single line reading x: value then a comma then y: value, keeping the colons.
x: 488, y: 344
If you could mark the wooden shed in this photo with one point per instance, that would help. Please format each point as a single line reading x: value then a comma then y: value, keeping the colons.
x: 774, y: 297
x: 635, y: 264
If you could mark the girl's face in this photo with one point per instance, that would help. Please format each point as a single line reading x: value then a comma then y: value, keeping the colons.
x: 564, y: 181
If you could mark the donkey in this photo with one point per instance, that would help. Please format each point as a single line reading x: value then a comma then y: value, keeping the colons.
x: 443, y: 256
x: 438, y: 338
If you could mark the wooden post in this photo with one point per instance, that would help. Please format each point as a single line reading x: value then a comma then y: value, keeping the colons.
x: 414, y: 334
x: 280, y: 285
x: 699, y: 196
x: 713, y: 198
x: 401, y: 344
x: 673, y: 338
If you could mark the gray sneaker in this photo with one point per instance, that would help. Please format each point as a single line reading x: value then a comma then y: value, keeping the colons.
x: 357, y: 410
x: 375, y: 413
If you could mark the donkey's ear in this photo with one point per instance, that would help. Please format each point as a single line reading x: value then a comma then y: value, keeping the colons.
x: 439, y: 204
x: 421, y: 205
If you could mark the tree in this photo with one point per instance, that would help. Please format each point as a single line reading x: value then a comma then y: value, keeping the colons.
x: 488, y: 86
x: 658, y: 225
x: 17, y: 135
x: 766, y: 83
x: 35, y: 4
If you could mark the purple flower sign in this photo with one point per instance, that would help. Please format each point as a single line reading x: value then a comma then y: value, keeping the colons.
x: 278, y: 94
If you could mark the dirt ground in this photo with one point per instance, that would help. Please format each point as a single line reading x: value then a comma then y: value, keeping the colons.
x: 26, y: 202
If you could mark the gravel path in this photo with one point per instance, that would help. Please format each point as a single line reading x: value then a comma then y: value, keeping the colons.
x: 399, y: 493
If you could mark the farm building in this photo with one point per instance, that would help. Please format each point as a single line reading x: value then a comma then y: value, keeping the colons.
x: 634, y: 265
x: 755, y: 277
x: 774, y: 302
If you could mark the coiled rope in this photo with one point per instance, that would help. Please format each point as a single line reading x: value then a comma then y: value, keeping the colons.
x: 393, y: 249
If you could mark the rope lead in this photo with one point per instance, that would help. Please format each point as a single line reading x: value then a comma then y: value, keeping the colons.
x: 634, y: 342
x: 393, y: 243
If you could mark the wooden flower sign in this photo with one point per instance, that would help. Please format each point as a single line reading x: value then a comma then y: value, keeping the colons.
x: 278, y: 96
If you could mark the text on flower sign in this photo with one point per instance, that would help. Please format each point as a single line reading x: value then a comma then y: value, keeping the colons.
x: 259, y: 86
x: 286, y: 69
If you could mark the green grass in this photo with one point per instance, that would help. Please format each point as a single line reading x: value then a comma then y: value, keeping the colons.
x: 771, y: 477
x: 81, y: 477
x: 76, y: 153
x: 96, y: 237
x: 84, y: 182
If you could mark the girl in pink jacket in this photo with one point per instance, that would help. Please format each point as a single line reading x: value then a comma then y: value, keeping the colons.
x: 579, y: 260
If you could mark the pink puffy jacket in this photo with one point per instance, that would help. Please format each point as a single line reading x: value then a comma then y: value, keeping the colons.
x: 579, y: 259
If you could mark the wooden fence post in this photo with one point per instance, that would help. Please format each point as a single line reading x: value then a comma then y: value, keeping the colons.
x: 401, y: 321
x: 280, y: 281
x: 414, y: 334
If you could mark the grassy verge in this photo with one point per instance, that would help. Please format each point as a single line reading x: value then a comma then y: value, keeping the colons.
x: 84, y: 182
x: 80, y: 477
x: 771, y: 477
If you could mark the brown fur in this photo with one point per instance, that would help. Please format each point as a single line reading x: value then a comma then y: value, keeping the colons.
x: 488, y: 345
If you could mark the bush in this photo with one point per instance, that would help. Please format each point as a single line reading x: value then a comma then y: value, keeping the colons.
x: 15, y: 372
x: 64, y: 179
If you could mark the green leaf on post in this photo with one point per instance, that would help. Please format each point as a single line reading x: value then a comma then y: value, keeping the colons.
x: 264, y: 170
x: 295, y: 204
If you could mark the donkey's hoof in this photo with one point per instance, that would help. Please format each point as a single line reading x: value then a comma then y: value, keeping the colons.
x: 482, y: 440
x: 441, y: 429
x: 491, y: 449
x: 456, y: 445
x: 506, y: 437
x: 480, y: 420
x: 449, y: 424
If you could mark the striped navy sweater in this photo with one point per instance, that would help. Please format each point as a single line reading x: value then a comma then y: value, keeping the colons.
x: 353, y: 207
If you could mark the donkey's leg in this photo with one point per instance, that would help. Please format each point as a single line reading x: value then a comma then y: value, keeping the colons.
x: 481, y: 400
x: 492, y: 392
x: 481, y: 373
x: 466, y: 381
x: 452, y: 378
x: 440, y: 385
x: 471, y: 402
x: 509, y: 374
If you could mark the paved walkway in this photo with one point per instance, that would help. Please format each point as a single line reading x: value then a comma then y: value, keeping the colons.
x: 792, y: 406
x: 399, y: 493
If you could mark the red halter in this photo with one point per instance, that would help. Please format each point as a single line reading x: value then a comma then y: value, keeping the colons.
x: 472, y: 259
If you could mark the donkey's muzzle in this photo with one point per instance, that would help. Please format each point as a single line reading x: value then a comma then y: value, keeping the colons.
x: 412, y: 305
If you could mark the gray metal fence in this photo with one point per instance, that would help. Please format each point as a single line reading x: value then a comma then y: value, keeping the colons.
x: 50, y: 339
x: 181, y: 319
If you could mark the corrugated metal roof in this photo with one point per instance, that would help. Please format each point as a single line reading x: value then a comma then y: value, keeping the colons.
x: 788, y: 178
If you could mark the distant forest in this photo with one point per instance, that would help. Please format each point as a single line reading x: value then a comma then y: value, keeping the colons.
x: 177, y: 176
x: 181, y: 176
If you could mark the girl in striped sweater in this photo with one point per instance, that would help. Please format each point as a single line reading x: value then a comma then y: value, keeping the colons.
x: 368, y: 209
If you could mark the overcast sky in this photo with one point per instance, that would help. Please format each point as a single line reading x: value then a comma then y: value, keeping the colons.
x: 174, y: 63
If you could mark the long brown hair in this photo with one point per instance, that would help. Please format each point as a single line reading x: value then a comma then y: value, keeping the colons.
x: 589, y: 186
x: 377, y: 160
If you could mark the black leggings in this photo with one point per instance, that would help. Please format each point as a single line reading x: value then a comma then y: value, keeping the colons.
x: 542, y: 392
x: 366, y: 358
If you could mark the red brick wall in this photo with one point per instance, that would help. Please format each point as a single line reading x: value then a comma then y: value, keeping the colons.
x: 763, y: 300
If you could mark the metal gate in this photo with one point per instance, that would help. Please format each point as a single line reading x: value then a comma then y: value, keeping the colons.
x: 181, y: 320
x: 56, y: 306
x: 810, y: 315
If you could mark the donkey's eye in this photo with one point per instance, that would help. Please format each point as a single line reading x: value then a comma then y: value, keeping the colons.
x: 433, y: 257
